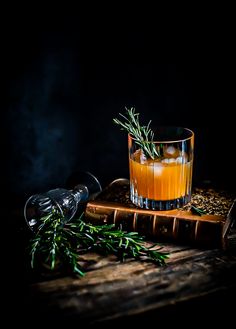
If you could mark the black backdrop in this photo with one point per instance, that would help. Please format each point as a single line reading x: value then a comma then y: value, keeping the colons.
x: 67, y: 78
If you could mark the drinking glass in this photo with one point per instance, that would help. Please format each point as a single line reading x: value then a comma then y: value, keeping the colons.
x: 65, y: 201
x: 165, y: 182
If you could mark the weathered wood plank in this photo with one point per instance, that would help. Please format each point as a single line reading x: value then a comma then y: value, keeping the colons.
x: 111, y: 290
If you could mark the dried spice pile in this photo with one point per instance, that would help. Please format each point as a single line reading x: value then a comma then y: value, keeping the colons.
x: 211, y: 201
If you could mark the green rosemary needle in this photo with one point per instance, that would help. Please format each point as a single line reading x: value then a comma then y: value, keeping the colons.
x: 62, y: 243
x: 197, y: 211
x: 142, y: 135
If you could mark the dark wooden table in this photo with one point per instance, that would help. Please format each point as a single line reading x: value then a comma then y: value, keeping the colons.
x: 195, y: 282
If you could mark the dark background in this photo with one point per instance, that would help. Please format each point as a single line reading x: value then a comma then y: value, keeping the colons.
x: 67, y: 76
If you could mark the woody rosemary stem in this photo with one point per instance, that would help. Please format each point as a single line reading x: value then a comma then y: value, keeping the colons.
x: 57, y: 243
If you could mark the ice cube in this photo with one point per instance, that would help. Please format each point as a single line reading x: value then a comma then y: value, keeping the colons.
x: 139, y: 156
x: 143, y: 158
x: 182, y: 159
x: 158, y: 167
x: 170, y: 150
x: 165, y: 160
x: 168, y: 160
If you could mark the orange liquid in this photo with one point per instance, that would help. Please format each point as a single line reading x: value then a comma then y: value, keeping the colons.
x: 161, y: 181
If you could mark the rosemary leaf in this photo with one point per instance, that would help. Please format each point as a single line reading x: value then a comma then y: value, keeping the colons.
x: 197, y: 211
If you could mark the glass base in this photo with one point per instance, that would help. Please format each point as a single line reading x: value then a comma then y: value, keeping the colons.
x: 146, y: 203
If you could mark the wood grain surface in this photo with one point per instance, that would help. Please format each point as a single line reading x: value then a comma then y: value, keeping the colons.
x: 111, y: 291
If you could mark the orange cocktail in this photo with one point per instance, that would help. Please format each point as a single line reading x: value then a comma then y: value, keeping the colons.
x: 164, y: 182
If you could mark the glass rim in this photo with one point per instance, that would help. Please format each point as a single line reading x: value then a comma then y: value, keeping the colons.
x: 171, y: 140
x: 28, y: 202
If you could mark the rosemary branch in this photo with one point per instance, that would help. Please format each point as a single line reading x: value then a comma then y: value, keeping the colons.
x: 62, y: 243
x: 142, y: 135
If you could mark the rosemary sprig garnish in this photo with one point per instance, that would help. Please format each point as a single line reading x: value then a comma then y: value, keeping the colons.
x: 143, y: 135
x: 62, y: 243
x: 197, y: 211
